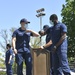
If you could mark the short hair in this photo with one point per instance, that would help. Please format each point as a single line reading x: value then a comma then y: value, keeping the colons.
x: 53, y: 17
x: 45, y: 27
x: 8, y: 45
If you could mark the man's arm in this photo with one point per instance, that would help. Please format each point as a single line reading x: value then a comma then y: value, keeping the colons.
x: 33, y: 33
x: 47, y: 45
x: 63, y: 36
x: 14, y: 44
x: 10, y: 58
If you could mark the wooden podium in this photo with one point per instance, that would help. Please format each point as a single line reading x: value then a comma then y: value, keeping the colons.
x: 41, y: 62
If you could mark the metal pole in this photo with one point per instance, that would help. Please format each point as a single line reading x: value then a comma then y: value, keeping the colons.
x: 40, y: 29
x: 40, y: 22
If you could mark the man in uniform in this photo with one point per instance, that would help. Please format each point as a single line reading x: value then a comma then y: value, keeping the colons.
x: 59, y: 46
x: 48, y: 45
x: 20, y: 41
x: 9, y: 60
x: 59, y: 40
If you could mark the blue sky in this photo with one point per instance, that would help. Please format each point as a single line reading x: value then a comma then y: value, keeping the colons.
x: 11, y: 11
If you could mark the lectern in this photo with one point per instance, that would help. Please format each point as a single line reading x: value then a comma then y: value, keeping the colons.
x: 41, y: 62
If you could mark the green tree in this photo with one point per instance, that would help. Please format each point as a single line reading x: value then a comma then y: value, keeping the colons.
x: 68, y: 17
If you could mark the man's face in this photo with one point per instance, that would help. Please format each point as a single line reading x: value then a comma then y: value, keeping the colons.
x: 7, y: 47
x: 51, y: 22
x: 24, y: 25
x: 45, y: 29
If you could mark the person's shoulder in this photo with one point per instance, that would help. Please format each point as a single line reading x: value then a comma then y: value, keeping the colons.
x: 61, y: 24
x: 51, y: 27
x: 16, y: 30
x: 63, y: 27
x: 7, y: 51
x: 49, y: 30
x: 11, y: 51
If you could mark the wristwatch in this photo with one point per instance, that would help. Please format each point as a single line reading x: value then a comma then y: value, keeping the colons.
x: 55, y: 47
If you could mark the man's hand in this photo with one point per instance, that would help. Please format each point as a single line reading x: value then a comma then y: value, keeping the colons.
x: 54, y: 48
x: 9, y: 62
x: 15, y: 51
x: 41, y: 33
x: 41, y: 47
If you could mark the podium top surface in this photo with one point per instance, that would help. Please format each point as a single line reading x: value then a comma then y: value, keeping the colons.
x: 38, y: 49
